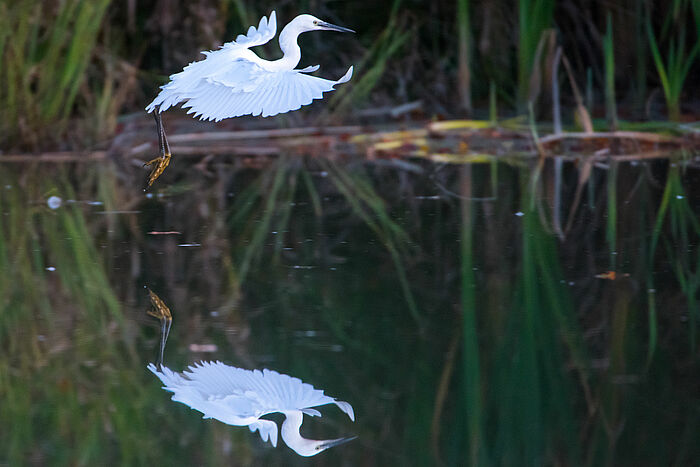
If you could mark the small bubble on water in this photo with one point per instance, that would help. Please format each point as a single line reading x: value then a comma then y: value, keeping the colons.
x: 520, y: 214
x: 54, y: 202
x: 680, y: 196
x: 149, y: 195
x: 51, y: 268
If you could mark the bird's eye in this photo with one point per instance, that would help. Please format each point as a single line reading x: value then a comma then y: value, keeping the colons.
x: 315, y: 23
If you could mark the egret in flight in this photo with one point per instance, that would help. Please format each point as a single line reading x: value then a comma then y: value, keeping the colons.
x: 241, y: 397
x: 234, y: 81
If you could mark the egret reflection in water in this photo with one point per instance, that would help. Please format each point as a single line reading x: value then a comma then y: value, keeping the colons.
x: 241, y: 397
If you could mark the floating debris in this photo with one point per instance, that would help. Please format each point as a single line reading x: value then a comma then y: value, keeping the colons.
x: 203, y: 348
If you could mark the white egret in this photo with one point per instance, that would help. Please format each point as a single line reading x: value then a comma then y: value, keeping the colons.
x: 241, y: 397
x: 234, y: 81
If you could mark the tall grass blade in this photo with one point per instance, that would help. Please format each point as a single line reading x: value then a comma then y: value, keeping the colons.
x: 674, y: 70
x: 534, y: 17
x: 464, y: 75
x: 609, y: 53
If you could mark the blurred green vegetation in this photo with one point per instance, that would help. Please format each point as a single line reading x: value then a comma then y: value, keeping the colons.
x: 69, y: 68
x: 495, y: 343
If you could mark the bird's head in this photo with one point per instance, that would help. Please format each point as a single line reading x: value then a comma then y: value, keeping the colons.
x: 311, y: 447
x: 311, y: 23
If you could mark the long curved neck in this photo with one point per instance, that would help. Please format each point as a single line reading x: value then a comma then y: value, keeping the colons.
x: 291, y: 435
x: 290, y: 48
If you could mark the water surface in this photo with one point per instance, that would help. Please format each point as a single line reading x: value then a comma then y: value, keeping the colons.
x: 488, y: 313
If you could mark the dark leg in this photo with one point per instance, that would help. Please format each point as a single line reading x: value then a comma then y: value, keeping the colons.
x: 162, y: 140
x: 165, y: 323
x: 161, y: 162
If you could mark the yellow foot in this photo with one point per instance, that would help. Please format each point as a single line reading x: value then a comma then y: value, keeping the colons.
x: 159, y: 163
x: 160, y: 310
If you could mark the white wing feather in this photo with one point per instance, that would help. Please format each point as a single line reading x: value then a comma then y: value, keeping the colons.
x: 266, y: 30
x: 244, y: 88
x: 240, y: 397
x: 267, y: 429
x: 192, y: 75
x: 267, y: 391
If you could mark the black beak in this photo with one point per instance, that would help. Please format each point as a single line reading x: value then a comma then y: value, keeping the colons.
x: 336, y: 442
x: 333, y: 27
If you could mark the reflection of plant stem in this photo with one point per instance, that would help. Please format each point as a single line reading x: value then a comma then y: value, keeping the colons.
x: 611, y: 225
x: 472, y: 380
x: 369, y: 206
x: 682, y: 221
x: 263, y: 227
x: 540, y: 151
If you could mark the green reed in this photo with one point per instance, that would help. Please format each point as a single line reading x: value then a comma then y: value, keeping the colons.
x: 609, y: 59
x: 44, y: 64
x: 534, y: 18
x: 674, y: 67
x: 373, y: 64
x: 464, y: 55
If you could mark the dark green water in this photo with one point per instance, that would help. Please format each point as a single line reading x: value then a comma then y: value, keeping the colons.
x: 450, y: 305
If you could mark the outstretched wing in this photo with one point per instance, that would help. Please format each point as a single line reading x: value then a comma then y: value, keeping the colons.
x: 244, y: 88
x: 265, y: 391
x: 266, y: 30
x: 227, y: 57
